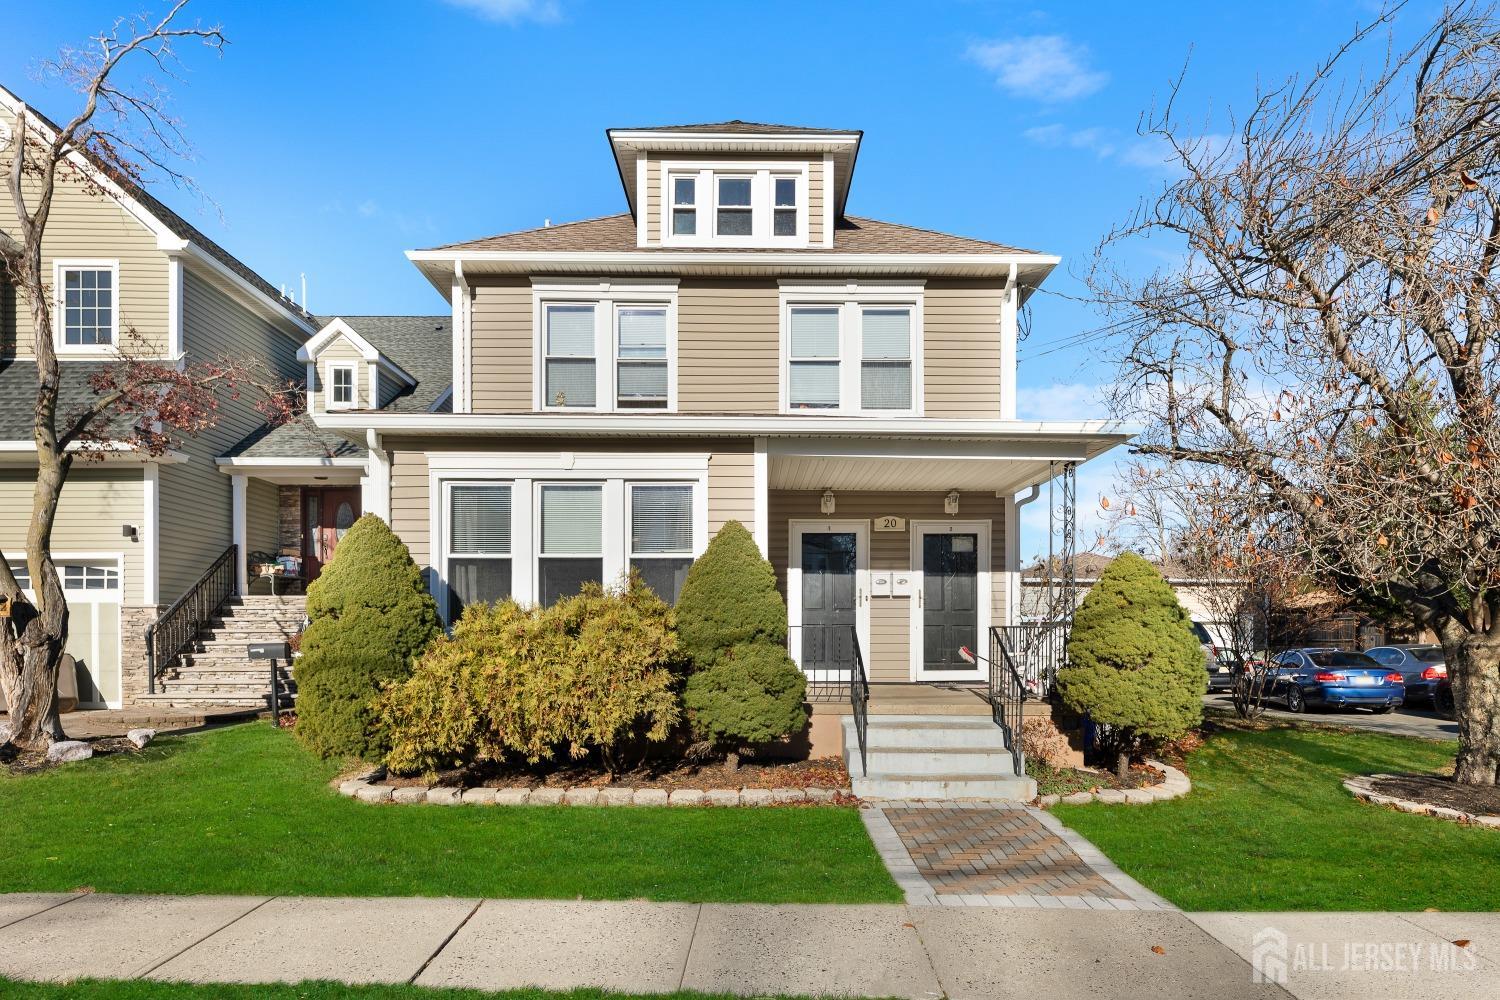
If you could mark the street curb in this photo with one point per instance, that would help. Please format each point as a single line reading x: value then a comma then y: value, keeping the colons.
x: 1174, y: 785
x: 1362, y: 787
x: 364, y: 789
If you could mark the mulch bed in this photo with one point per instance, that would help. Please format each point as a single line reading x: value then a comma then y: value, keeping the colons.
x: 35, y: 761
x: 825, y: 772
x: 1439, y: 790
x: 1066, y: 780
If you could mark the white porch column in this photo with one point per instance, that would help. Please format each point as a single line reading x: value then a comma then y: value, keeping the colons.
x: 375, y: 485
x: 762, y: 500
x: 237, y: 485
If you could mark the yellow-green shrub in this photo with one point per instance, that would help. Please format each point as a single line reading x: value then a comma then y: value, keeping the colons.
x: 597, y: 671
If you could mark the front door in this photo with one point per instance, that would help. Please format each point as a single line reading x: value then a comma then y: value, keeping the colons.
x: 827, y: 585
x: 328, y: 514
x: 952, y: 597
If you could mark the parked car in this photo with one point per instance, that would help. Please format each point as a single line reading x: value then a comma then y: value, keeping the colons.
x: 1421, y: 668
x: 1333, y: 678
x: 1218, y: 663
x: 1442, y: 697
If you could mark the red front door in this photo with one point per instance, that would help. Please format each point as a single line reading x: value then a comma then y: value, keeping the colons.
x: 327, y: 514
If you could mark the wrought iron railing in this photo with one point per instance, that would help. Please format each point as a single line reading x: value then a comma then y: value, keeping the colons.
x: 1007, y: 695
x: 1038, y: 650
x: 170, y: 634
x: 835, y: 669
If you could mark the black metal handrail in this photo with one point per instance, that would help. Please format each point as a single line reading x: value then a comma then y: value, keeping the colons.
x: 1007, y: 695
x: 175, y: 627
x: 1038, y: 651
x: 859, y: 701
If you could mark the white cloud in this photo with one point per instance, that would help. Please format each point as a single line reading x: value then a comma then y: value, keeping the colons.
x: 511, y: 11
x: 1060, y: 401
x: 1150, y: 153
x: 1042, y: 67
x: 1094, y: 140
x: 367, y: 208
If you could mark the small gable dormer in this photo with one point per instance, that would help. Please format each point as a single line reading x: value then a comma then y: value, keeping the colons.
x: 735, y: 185
x: 346, y: 372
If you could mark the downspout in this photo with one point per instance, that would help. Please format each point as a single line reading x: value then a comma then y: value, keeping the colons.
x: 1036, y: 491
x: 461, y: 334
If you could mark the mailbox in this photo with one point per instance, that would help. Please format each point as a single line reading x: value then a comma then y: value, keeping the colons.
x: 269, y: 651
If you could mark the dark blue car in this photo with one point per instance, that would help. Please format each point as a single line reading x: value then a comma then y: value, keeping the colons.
x: 1333, y: 678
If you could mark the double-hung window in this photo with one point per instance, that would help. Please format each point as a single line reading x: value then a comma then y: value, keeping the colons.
x: 571, y: 372
x: 735, y: 209
x: 785, y: 221
x: 661, y: 535
x: 813, y: 357
x: 86, y: 292
x: 340, y: 386
x: 684, y: 206
x: 856, y: 355
x: 479, y: 544
x: 572, y: 539
x: 641, y: 364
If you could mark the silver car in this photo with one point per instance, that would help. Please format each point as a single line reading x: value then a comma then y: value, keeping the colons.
x: 1421, y: 666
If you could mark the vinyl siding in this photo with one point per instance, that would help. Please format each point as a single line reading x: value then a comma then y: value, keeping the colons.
x: 961, y: 349
x: 651, y: 200
x: 502, y: 347
x: 93, y: 226
x: 195, y: 502
x: 339, y: 351
x: 815, y: 202
x: 890, y: 617
x: 262, y: 517
x: 728, y: 346
x: 95, y: 503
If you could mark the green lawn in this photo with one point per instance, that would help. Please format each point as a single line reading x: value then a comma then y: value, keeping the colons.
x: 246, y: 810
x: 113, y: 989
x: 1269, y: 826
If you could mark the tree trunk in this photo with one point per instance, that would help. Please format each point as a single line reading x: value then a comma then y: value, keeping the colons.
x: 1122, y: 765
x: 1474, y: 668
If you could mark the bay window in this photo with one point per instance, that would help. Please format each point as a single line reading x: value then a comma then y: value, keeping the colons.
x: 479, y: 544
x: 661, y: 535
x: 851, y: 353
x: 572, y: 539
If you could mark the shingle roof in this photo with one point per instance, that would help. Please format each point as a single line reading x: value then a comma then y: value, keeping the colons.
x: 737, y: 126
x: 297, y: 438
x: 18, y: 395
x: 617, y: 234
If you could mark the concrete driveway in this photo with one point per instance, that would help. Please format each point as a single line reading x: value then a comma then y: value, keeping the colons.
x: 1421, y: 723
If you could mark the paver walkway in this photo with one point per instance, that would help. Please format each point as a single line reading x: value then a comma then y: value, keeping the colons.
x: 997, y: 854
x: 756, y: 950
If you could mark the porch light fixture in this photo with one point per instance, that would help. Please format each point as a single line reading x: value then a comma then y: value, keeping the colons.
x: 950, y: 503
x: 827, y: 505
x: 129, y: 531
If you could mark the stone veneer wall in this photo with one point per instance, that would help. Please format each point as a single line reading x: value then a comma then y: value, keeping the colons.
x: 289, y: 534
x: 134, y: 620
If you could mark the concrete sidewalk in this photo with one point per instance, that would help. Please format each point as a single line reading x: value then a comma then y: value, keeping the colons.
x: 918, y: 951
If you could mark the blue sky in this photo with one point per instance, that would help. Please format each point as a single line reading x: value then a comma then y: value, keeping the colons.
x: 331, y: 137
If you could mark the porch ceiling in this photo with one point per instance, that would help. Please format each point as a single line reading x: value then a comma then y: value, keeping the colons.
x: 806, y: 472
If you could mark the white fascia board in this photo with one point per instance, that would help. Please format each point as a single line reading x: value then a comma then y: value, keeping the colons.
x: 230, y: 465
x: 266, y: 303
x: 1001, y: 262
x: 811, y: 141
x: 13, y: 452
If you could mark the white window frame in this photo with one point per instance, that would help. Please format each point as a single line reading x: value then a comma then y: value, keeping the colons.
x: 330, y: 400
x: 799, y: 192
x: 445, y: 599
x: 537, y: 555
x: 672, y: 204
x: 762, y: 201
x: 630, y: 554
x: 850, y: 300
x: 667, y: 359
x: 606, y: 298
x: 59, y: 307
x: 526, y: 472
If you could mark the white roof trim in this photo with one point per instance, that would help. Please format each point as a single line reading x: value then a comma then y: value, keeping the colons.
x: 24, y: 452
x: 229, y: 464
x: 1002, y: 261
x: 338, y: 328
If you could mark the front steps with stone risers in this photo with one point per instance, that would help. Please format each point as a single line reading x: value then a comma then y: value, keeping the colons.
x: 215, y: 670
x: 934, y: 757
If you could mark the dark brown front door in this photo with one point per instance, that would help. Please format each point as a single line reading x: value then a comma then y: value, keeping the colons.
x: 326, y: 515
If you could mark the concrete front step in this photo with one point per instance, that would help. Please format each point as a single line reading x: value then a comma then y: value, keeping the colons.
x: 930, y: 731
x: 933, y: 757
x: 941, y: 786
x: 978, y: 762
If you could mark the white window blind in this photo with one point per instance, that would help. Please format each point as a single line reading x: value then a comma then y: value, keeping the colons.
x: 572, y: 520
x: 479, y: 519
x: 661, y: 519
x: 642, y: 366
x: 813, y: 359
x: 570, y: 356
x: 885, y: 365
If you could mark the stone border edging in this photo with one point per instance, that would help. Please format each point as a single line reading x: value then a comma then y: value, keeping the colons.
x: 1362, y: 786
x: 1174, y: 785
x: 365, y: 789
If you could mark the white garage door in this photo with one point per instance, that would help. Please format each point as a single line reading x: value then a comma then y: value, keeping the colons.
x: 93, y: 586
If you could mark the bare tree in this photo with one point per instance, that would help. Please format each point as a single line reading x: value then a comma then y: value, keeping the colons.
x: 123, y: 133
x: 1326, y: 345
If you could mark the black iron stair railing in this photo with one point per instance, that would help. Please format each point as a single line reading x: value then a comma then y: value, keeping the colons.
x: 170, y: 634
x: 859, y: 701
x: 1007, y: 695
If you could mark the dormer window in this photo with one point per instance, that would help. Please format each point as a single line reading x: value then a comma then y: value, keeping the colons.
x: 734, y: 204
x: 735, y: 207
x: 684, y: 206
x: 340, y: 386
